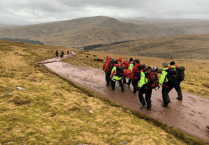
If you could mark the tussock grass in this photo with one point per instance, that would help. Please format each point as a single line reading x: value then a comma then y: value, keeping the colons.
x: 53, y: 110
x: 197, y: 71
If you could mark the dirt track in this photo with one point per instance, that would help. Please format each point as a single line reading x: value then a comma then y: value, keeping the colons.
x: 190, y: 115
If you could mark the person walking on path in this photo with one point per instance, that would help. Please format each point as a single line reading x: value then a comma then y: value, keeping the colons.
x: 177, y: 84
x: 57, y: 54
x: 166, y: 86
x: 130, y: 67
x: 117, y: 74
x: 106, y: 67
x: 62, y: 54
x: 144, y: 89
x: 135, y: 75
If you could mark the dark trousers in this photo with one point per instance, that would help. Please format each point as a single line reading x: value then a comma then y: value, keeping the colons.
x: 135, y: 84
x: 166, y: 90
x: 107, y: 78
x: 166, y: 98
x: 178, y: 90
x: 113, y: 84
x: 148, y: 94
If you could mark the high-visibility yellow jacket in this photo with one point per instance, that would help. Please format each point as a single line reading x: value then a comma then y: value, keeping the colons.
x: 143, y: 79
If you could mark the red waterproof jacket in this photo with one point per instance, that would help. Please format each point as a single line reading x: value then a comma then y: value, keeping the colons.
x: 106, y: 64
x: 114, y: 70
x: 120, y: 61
x: 134, y: 71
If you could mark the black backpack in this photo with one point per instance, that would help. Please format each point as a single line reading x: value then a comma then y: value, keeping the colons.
x: 180, y: 73
x: 119, y: 71
x: 171, y: 75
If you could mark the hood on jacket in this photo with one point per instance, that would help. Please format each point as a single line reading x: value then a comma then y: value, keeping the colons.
x: 120, y: 59
x: 138, y: 64
x: 115, y: 64
x: 108, y: 58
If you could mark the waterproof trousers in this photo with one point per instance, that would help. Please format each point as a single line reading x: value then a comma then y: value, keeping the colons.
x: 113, y: 84
x: 166, y: 90
x: 148, y: 93
x: 135, y: 85
x: 107, y: 78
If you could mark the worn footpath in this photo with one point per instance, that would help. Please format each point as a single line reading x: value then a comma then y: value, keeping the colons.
x: 190, y: 115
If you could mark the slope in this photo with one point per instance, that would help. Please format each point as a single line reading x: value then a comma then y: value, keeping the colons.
x: 97, y: 30
x: 172, y: 47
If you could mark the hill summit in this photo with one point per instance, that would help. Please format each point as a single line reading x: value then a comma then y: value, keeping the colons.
x: 89, y: 31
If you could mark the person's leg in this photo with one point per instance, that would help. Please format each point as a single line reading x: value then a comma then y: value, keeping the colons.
x: 148, y: 98
x: 107, y: 77
x: 166, y: 99
x: 178, y: 90
x: 113, y: 84
x: 141, y: 98
x: 121, y: 85
x: 124, y: 80
x: 135, y: 85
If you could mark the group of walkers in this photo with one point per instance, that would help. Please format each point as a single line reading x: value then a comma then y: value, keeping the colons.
x: 144, y: 78
x: 61, y: 53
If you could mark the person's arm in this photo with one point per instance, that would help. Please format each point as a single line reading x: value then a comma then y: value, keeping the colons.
x: 113, y: 73
x: 162, y: 78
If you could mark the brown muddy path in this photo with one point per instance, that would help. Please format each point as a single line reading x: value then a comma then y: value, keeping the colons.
x: 190, y: 115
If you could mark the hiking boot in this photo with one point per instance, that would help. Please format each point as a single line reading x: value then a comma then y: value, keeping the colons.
x: 164, y: 105
x: 134, y: 92
x: 112, y: 89
x: 148, y: 108
x: 207, y: 127
x: 179, y: 98
x: 143, y: 106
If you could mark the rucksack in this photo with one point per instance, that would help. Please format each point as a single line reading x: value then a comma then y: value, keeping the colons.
x: 119, y: 71
x: 180, y: 73
x: 127, y: 73
x: 152, y: 77
x: 125, y: 64
x: 171, y: 75
x: 106, y: 66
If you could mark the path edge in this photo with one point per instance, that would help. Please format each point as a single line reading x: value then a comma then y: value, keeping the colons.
x: 183, y: 136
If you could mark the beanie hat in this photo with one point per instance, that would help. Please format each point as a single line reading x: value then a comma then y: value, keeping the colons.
x: 165, y: 64
x: 172, y: 63
x: 131, y: 59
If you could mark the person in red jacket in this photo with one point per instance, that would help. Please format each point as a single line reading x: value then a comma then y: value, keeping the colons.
x: 106, y: 67
x: 134, y: 75
x: 120, y: 61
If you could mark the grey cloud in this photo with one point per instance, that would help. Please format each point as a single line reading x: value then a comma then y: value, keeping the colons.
x: 39, y: 11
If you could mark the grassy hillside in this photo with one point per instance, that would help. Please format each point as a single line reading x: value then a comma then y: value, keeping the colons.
x: 97, y: 30
x: 172, y: 47
x: 197, y: 72
x: 51, y: 110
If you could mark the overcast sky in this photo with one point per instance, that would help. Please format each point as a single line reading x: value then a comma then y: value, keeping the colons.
x: 23, y: 12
